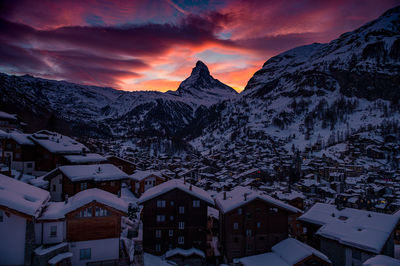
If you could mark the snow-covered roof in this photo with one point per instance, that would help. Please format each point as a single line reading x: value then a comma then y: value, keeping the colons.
x: 184, y: 252
x: 381, y: 260
x: 287, y: 252
x: 176, y: 184
x: 236, y: 198
x: 5, y: 115
x: 58, y: 210
x: 140, y: 175
x: 357, y: 228
x: 294, y: 251
x: 22, y: 197
x: 20, y: 138
x: 85, y: 158
x: 96, y: 172
x: 263, y: 259
x: 57, y: 143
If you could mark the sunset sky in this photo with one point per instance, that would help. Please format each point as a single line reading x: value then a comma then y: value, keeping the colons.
x: 153, y: 45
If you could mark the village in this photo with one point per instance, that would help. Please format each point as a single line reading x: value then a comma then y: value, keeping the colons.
x: 63, y: 203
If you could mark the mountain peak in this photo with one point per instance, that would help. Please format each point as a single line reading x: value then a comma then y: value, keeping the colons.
x: 200, y: 69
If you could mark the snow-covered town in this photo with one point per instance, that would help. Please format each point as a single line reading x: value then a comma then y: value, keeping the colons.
x: 119, y: 146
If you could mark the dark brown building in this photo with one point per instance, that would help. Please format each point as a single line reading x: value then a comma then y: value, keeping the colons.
x: 71, y: 179
x: 123, y: 164
x: 174, y: 216
x: 19, y: 152
x: 144, y: 180
x: 251, y: 222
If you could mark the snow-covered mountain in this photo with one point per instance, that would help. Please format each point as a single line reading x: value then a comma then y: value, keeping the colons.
x: 108, y: 112
x: 318, y: 94
x: 310, y: 96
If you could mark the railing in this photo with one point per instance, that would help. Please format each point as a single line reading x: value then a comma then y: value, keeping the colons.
x: 119, y: 262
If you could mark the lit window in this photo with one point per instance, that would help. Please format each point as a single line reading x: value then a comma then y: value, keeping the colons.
x: 196, y: 203
x: 158, y: 233
x: 85, y: 254
x: 181, y: 209
x: 235, y: 226
x: 161, y: 203
x: 53, y: 231
x: 181, y: 240
x: 181, y: 225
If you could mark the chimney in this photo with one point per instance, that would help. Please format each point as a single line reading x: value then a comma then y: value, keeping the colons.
x: 224, y: 195
x: 66, y: 198
x: 190, y: 187
x: 245, y: 196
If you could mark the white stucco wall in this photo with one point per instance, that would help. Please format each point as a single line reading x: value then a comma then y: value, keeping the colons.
x: 56, y: 195
x: 47, y: 239
x: 12, y: 239
x: 103, y: 249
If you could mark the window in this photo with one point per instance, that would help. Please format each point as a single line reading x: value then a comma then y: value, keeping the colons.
x: 181, y: 240
x: 158, y: 233
x: 181, y: 209
x: 248, y: 215
x: 158, y: 247
x: 160, y: 218
x: 29, y: 165
x: 273, y: 210
x: 54, y: 188
x: 248, y: 232
x: 53, y: 231
x: 171, y: 232
x: 196, y: 203
x: 160, y: 203
x: 235, y: 226
x: 240, y: 211
x: 1, y: 216
x: 83, y: 185
x: 172, y: 203
x: 181, y: 225
x: 258, y: 224
x: 86, y: 212
x: 356, y: 254
x: 101, y: 212
x: 85, y: 254
x: 171, y: 218
x: 113, y: 183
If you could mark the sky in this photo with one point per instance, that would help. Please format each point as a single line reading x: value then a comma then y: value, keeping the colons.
x: 154, y: 44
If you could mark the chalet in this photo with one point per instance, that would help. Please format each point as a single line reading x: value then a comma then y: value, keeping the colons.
x: 89, y: 222
x: 51, y: 148
x: 71, y: 179
x: 251, y: 222
x: 123, y: 164
x: 349, y: 236
x: 144, y: 180
x: 20, y: 205
x: 174, y: 216
x: 9, y: 121
x: 19, y: 152
x: 289, y: 252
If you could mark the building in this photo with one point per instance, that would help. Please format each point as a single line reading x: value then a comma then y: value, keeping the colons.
x: 84, y: 158
x: 90, y: 222
x: 251, y: 222
x: 144, y: 180
x: 174, y: 216
x: 349, y: 236
x: 289, y: 252
x: 9, y: 121
x: 20, y: 205
x: 19, y: 152
x: 123, y: 164
x: 71, y: 179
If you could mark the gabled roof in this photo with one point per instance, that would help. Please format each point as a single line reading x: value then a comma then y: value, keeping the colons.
x: 176, y: 184
x: 365, y: 230
x: 85, y: 158
x: 96, y: 172
x: 21, y: 139
x: 57, y: 143
x: 140, y: 175
x: 240, y: 196
x: 22, y: 197
x: 8, y: 116
x: 58, y: 210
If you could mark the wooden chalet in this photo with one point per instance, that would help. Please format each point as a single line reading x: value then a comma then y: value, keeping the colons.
x: 141, y: 181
